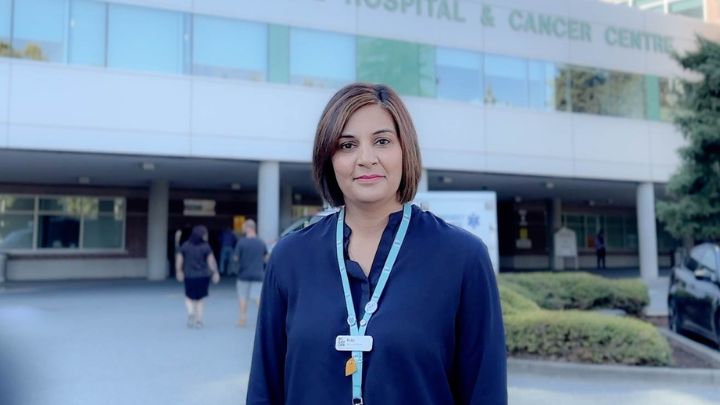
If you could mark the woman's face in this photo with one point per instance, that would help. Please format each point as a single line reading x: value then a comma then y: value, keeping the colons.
x: 368, y: 157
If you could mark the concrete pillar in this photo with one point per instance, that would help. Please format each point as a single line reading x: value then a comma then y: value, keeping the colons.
x: 647, y: 236
x: 423, y: 184
x: 269, y: 201
x: 157, y: 228
x: 286, y: 203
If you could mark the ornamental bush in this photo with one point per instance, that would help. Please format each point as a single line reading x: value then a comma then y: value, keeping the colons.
x: 513, y: 301
x: 579, y: 291
x: 586, y: 337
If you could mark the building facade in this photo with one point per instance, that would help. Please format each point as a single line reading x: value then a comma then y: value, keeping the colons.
x: 125, y: 122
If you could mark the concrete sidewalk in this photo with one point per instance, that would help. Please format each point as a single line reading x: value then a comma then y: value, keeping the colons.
x: 125, y: 342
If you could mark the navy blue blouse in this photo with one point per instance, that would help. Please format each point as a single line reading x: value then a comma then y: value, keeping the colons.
x: 438, y: 331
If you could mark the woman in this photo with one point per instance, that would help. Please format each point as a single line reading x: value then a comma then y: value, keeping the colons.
x: 195, y: 265
x: 381, y: 303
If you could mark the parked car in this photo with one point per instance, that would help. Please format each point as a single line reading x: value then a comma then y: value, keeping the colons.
x: 694, y: 295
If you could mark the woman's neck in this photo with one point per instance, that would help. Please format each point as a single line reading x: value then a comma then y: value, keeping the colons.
x: 369, y: 218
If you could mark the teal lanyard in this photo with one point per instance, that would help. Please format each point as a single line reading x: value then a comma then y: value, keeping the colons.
x: 372, y: 305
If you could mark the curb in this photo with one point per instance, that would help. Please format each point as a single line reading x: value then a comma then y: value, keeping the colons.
x: 632, y: 374
x: 696, y: 348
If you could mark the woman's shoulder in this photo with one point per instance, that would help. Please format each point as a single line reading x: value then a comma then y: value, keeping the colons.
x: 310, y: 237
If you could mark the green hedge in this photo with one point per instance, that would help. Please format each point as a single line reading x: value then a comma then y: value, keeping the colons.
x: 579, y: 291
x: 588, y: 337
x: 513, y: 301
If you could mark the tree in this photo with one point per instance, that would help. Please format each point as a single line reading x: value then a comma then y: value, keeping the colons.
x: 694, y: 206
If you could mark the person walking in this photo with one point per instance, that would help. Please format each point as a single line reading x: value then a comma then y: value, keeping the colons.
x: 600, y: 250
x: 382, y: 302
x: 227, y: 246
x: 195, y: 266
x: 250, y: 254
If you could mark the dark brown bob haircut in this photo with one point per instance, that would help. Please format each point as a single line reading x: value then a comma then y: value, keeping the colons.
x: 341, y: 106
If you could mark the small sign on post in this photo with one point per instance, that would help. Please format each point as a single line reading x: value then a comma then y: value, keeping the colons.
x: 566, y: 247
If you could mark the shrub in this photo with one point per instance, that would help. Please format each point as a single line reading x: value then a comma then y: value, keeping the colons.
x: 579, y: 291
x: 513, y: 301
x: 588, y: 337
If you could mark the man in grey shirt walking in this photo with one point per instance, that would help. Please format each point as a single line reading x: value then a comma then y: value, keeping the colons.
x: 250, y: 253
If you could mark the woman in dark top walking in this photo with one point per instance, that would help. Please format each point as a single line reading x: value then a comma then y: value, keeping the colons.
x: 195, y: 265
x: 381, y: 303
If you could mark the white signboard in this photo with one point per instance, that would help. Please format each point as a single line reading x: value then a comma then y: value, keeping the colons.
x: 473, y: 211
x: 565, y: 243
x: 565, y: 246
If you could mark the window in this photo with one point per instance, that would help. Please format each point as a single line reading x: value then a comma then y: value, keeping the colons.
x: 542, y: 78
x: 506, y: 81
x: 229, y: 48
x: 689, y: 8
x: 104, y: 227
x: 321, y: 58
x: 66, y: 222
x: 595, y: 91
x: 16, y: 222
x: 620, y: 230
x: 146, y: 39
x: 5, y: 18
x: 40, y: 35
x: 87, y: 32
x: 459, y: 75
x: 670, y: 92
x: 409, y: 68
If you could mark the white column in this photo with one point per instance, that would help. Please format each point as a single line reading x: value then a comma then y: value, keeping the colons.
x: 423, y: 184
x: 647, y: 236
x: 157, y: 228
x: 286, y: 203
x: 269, y: 201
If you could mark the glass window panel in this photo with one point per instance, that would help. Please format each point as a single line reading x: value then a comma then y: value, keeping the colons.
x: 103, y: 232
x: 321, y: 58
x: 279, y: 53
x: 70, y: 205
x: 146, y: 39
x: 228, y: 48
x: 623, y: 95
x: 614, y: 232
x: 402, y: 65
x: 542, y: 78
x: 114, y: 206
x: 16, y: 231
x: 39, y: 29
x: 577, y: 224
x: 58, y: 231
x: 52, y: 204
x: 459, y: 75
x: 87, y: 32
x: 607, y: 93
x: 631, y: 237
x: 10, y: 203
x: 5, y: 10
x: 670, y: 93
x: 652, y: 98
x: 506, y: 81
x: 563, y: 92
x: 584, y: 89
x: 689, y: 8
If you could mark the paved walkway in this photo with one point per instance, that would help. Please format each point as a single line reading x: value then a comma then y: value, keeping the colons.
x: 125, y: 342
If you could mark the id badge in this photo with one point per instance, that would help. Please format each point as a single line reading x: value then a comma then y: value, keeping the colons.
x: 346, y: 343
